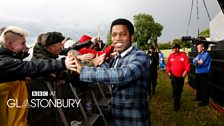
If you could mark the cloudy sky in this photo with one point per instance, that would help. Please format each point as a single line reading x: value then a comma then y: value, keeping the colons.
x: 77, y: 17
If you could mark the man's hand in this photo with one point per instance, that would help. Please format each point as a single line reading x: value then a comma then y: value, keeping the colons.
x: 94, y: 40
x: 114, y: 54
x: 200, y: 61
x: 78, y: 65
x: 86, y: 57
x: 169, y: 74
x: 70, y: 63
x: 99, y: 59
x: 184, y: 74
x: 196, y: 58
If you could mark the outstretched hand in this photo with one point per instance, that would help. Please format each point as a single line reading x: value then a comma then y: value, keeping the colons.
x: 70, y: 63
x: 73, y: 55
x: 86, y: 57
x: 98, y: 60
x: 78, y: 65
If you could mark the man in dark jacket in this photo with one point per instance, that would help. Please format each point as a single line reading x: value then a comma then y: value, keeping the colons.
x: 77, y: 46
x: 153, y: 61
x: 48, y: 46
x: 13, y: 70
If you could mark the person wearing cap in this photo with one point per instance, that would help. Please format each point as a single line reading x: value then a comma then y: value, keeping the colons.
x: 177, y: 68
x: 202, y: 63
x: 49, y: 45
x: 13, y: 70
x: 128, y: 73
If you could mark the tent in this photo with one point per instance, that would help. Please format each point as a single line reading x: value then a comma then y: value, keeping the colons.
x: 217, y: 27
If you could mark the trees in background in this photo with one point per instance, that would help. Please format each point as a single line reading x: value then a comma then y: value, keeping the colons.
x: 108, y: 39
x: 168, y: 45
x: 205, y: 33
x: 146, y: 31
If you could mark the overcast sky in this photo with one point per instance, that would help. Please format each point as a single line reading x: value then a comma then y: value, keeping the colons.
x: 77, y: 17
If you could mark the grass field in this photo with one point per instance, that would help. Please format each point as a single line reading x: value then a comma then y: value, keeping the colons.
x: 162, y: 114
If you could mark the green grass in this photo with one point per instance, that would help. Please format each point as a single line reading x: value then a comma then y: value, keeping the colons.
x: 161, y: 106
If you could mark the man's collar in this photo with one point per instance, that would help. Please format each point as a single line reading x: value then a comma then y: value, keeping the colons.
x: 126, y: 51
x: 177, y: 53
x: 202, y: 52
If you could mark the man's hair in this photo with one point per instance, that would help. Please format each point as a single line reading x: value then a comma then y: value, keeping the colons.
x: 12, y: 30
x: 203, y: 45
x: 202, y: 42
x: 41, y: 39
x: 125, y: 22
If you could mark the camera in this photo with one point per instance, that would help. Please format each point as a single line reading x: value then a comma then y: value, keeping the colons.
x: 194, y: 40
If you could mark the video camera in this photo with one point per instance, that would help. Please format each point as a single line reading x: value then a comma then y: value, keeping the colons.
x: 194, y: 40
x: 199, y: 40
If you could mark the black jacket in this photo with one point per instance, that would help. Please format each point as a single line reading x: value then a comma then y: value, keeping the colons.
x: 154, y: 62
x: 12, y: 68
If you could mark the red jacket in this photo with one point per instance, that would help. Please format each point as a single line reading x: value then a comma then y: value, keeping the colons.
x: 85, y: 50
x: 108, y: 51
x: 177, y: 64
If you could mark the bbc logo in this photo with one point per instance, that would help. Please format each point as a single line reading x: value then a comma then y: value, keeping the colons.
x: 39, y: 93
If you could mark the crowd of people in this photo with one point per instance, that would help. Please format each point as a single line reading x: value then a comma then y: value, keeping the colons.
x: 130, y: 72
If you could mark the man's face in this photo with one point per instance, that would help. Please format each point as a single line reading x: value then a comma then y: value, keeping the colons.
x: 175, y: 50
x: 56, y: 48
x: 120, y: 38
x: 200, y: 48
x: 19, y: 45
x: 152, y: 51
